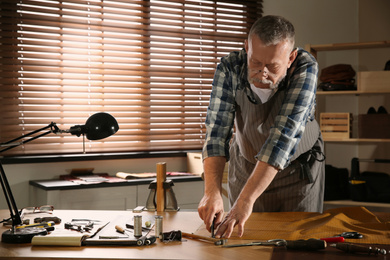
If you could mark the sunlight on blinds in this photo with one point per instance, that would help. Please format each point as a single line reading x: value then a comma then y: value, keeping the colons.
x: 150, y: 64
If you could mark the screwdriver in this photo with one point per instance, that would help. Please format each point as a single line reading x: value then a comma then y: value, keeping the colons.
x: 49, y: 226
x: 352, y: 248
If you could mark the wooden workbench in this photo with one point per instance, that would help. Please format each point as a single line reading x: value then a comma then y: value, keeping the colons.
x: 186, y: 249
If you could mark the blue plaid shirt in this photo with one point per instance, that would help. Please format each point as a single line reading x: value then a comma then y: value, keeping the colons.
x: 297, y: 109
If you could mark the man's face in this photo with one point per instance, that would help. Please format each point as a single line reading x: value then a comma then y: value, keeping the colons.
x: 267, y: 65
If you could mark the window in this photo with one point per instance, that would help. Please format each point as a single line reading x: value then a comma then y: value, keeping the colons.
x: 150, y: 64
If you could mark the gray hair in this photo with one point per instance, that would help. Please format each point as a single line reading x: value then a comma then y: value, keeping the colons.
x: 272, y: 29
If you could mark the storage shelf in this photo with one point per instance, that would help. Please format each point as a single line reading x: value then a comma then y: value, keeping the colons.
x: 313, y: 49
x: 381, y: 79
x: 350, y: 92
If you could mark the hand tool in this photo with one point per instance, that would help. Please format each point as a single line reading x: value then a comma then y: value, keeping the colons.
x: 81, y: 227
x: 174, y: 235
x: 333, y: 239
x: 307, y: 245
x: 119, y: 229
x: 212, y: 228
x: 352, y: 248
x: 274, y: 242
x: 49, y: 226
x: 143, y: 228
x: 354, y: 235
x: 216, y: 241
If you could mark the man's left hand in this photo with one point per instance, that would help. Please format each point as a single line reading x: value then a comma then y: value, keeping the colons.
x: 237, y: 216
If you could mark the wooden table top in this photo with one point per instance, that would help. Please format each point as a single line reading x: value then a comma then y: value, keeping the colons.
x: 186, y: 249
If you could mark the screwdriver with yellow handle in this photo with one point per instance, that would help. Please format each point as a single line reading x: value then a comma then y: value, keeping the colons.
x: 49, y: 225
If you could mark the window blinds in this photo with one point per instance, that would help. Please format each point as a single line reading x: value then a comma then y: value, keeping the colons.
x: 150, y: 64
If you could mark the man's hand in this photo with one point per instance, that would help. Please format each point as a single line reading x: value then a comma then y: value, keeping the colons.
x: 262, y: 175
x: 210, y: 207
x: 237, y: 216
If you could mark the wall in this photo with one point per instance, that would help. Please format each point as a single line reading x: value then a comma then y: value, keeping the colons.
x: 326, y: 22
x: 374, y: 23
x: 316, y: 22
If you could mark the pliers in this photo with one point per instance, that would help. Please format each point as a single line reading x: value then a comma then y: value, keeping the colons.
x: 79, y: 226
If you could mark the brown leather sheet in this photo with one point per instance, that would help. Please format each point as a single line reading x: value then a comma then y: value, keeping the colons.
x: 305, y: 225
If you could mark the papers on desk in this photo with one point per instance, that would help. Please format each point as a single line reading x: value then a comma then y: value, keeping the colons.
x: 102, y: 234
x: 91, y: 178
x: 66, y: 237
x: 125, y: 175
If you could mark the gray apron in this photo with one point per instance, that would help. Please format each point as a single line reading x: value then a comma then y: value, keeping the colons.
x: 300, y: 186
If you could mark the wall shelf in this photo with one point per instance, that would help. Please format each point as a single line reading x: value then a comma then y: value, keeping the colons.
x: 357, y: 140
x: 368, y: 82
x: 350, y: 92
x: 313, y: 49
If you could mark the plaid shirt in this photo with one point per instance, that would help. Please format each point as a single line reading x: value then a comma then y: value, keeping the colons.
x: 297, y: 109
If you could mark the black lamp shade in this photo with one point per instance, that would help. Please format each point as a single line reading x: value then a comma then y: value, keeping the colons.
x: 100, y: 125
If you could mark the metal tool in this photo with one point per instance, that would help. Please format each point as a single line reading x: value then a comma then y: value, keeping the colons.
x: 174, y: 235
x: 212, y: 228
x: 130, y: 226
x: 79, y: 226
x: 307, y: 245
x: 171, y: 202
x: 352, y: 248
x: 49, y: 226
x: 273, y: 242
x: 353, y: 235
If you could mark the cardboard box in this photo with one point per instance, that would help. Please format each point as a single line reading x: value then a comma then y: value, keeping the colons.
x: 372, y: 81
x: 195, y: 163
x: 374, y: 126
x: 335, y: 125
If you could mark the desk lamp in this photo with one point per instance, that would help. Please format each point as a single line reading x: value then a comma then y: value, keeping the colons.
x: 98, y: 126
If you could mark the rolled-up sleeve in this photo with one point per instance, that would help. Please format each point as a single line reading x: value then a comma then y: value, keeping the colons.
x: 220, y: 113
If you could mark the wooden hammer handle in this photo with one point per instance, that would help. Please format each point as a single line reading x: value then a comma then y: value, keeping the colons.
x: 193, y: 236
x: 160, y: 193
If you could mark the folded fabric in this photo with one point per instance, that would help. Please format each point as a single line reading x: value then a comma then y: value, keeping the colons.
x: 305, y: 225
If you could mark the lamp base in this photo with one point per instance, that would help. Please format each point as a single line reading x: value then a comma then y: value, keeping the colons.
x: 21, y: 235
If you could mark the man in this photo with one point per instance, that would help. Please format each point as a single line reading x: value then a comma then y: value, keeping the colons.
x: 276, y: 160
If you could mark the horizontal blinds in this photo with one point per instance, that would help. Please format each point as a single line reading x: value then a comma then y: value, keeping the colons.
x: 150, y: 64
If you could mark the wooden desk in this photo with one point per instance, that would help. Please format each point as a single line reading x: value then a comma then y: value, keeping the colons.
x: 187, y: 249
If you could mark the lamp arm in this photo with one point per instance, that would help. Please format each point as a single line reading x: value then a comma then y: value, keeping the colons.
x: 12, y: 143
x: 13, y: 209
x: 15, y: 216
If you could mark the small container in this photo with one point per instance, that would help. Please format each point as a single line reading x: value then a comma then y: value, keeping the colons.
x: 137, y: 225
x: 159, y: 227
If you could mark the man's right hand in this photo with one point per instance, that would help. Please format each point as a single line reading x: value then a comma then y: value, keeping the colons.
x: 210, y: 207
